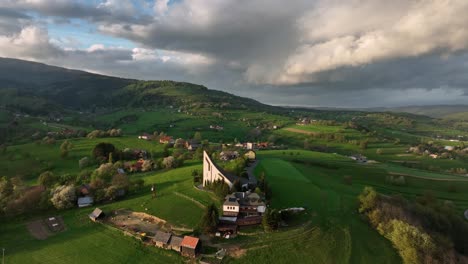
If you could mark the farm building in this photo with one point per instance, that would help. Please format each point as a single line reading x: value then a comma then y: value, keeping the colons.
x: 190, y: 246
x: 250, y: 155
x: 212, y: 173
x: 96, y: 214
x: 175, y: 242
x: 85, y: 201
x: 161, y: 239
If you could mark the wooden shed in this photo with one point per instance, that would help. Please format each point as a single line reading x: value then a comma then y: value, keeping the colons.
x: 190, y: 246
x: 161, y: 239
x: 175, y: 242
x: 96, y: 215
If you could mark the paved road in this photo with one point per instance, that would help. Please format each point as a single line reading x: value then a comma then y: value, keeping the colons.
x: 250, y: 172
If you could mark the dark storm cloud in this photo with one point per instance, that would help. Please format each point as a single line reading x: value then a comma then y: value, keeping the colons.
x: 340, y: 53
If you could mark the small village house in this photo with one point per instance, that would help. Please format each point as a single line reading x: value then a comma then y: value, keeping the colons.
x: 243, y: 208
x: 249, y: 145
x: 145, y: 136
x: 190, y: 246
x: 192, y: 144
x: 230, y: 206
x: 166, y: 140
x: 449, y: 148
x: 161, y: 239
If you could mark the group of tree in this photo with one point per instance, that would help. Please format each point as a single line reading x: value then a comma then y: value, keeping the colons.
x: 65, y: 148
x: 263, y: 186
x: 219, y: 187
x: 210, y: 219
x: 424, y: 231
x: 271, y: 220
x: 17, y: 198
x: 101, y: 133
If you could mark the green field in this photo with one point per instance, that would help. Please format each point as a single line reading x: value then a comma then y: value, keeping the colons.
x: 90, y: 242
x: 336, y: 232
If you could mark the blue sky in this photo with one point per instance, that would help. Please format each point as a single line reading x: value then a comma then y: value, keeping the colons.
x: 81, y: 34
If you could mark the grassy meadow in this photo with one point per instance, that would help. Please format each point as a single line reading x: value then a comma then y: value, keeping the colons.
x: 90, y: 242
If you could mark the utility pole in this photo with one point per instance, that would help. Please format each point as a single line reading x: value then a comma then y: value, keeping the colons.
x: 3, y: 256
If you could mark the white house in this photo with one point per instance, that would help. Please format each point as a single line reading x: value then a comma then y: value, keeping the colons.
x: 230, y: 207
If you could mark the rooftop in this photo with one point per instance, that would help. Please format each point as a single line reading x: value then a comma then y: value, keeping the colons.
x: 162, y: 237
x: 189, y: 242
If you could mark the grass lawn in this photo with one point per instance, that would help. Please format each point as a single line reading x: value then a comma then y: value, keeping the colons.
x: 29, y: 160
x: 88, y: 242
x: 336, y: 232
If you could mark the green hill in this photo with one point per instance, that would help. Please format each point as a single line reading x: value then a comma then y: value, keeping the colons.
x: 49, y: 87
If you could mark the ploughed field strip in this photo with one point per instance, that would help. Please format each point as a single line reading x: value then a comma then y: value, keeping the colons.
x: 43, y: 228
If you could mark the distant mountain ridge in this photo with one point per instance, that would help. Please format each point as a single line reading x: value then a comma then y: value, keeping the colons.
x: 436, y: 111
x: 22, y: 83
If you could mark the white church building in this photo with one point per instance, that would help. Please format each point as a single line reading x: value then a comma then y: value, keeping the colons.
x: 211, y: 172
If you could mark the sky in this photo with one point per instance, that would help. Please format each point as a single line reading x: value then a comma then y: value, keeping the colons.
x: 327, y: 53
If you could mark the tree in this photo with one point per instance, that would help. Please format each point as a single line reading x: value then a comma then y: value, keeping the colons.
x: 6, y: 188
x: 111, y: 158
x: 47, y: 179
x: 65, y: 148
x: 102, y: 150
x: 168, y: 162
x: 179, y: 143
x: 367, y: 199
x: 412, y: 243
x: 83, y: 162
x: 197, y: 137
x: 104, y: 172
x: 363, y: 144
x: 210, y: 219
x: 63, y: 197
x: 111, y: 193
x: 270, y: 220
x: 147, y: 165
x: 120, y: 181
